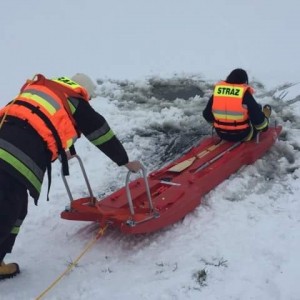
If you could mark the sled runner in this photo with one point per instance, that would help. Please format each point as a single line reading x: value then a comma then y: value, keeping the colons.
x: 165, y: 196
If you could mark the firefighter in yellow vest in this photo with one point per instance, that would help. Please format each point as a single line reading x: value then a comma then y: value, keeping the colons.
x: 36, y: 128
x: 233, y: 111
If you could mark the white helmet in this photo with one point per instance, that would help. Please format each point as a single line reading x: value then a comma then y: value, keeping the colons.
x: 86, y: 82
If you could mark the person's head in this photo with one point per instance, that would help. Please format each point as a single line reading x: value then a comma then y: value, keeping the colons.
x: 86, y: 82
x: 238, y: 76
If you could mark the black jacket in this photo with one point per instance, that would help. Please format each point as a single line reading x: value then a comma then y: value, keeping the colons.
x: 256, y: 118
x: 24, y: 154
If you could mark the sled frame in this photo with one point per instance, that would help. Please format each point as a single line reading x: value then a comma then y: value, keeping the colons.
x: 153, y: 213
x: 92, y: 198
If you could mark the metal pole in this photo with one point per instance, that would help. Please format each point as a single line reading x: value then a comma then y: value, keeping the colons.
x: 203, y: 166
x: 92, y: 198
x: 128, y: 193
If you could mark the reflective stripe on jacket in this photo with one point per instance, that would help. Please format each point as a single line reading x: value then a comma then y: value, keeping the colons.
x: 50, y: 97
x: 227, y: 108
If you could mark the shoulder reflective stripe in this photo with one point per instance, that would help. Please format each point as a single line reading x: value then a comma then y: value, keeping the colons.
x: 39, y: 100
x: 45, y: 96
x: 103, y: 139
x: 73, y: 103
x: 20, y: 155
x: 21, y: 168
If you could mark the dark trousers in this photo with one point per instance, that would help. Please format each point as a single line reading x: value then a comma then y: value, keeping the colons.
x: 237, y: 135
x: 13, y: 210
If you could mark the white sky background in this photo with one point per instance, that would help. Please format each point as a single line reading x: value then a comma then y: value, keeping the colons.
x: 133, y: 39
x: 249, y: 246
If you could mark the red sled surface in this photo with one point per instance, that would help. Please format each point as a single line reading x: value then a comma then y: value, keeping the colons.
x: 165, y: 196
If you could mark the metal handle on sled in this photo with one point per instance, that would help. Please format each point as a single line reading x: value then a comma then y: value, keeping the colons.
x: 129, y: 194
x: 257, y: 138
x: 93, y: 200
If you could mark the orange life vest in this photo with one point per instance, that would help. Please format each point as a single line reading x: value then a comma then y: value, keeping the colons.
x: 227, y: 108
x: 42, y: 99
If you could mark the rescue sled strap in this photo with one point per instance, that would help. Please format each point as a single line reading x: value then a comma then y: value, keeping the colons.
x: 235, y: 123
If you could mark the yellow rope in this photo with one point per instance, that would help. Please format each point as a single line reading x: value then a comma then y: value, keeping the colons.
x: 89, y: 245
x: 74, y: 263
x: 6, y: 112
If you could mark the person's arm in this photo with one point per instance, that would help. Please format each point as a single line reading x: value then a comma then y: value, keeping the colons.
x: 207, y: 112
x: 257, y: 117
x: 98, y: 132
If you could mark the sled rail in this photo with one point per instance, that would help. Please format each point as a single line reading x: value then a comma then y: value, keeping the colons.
x: 152, y: 212
x: 235, y: 145
x: 92, y: 198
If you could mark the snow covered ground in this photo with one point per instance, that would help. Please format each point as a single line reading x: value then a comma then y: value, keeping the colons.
x: 243, y: 241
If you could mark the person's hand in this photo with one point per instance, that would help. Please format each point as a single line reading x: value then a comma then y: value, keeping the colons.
x: 134, y: 166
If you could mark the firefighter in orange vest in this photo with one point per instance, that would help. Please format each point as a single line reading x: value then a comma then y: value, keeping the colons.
x: 233, y: 111
x: 36, y: 128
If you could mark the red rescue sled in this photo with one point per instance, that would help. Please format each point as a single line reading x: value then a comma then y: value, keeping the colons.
x: 165, y: 196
